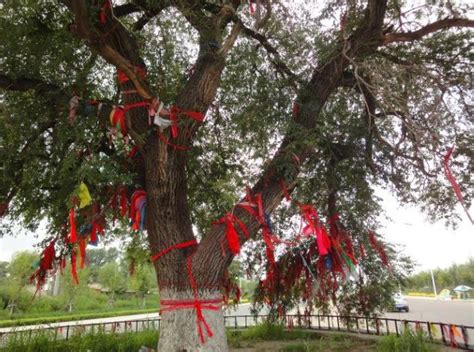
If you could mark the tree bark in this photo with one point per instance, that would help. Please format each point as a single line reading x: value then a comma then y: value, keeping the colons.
x: 179, y: 329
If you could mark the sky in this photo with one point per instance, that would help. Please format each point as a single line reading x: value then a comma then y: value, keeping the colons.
x: 430, y: 245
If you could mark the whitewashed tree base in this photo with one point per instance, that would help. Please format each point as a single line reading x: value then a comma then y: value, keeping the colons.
x: 178, y: 328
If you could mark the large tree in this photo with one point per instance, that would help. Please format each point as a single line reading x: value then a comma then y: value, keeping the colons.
x: 320, y: 101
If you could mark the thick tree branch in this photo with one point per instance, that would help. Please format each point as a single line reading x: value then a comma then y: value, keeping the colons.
x: 22, y: 84
x: 428, y: 29
x: 311, y: 100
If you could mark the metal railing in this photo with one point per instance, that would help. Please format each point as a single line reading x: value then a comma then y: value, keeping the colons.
x: 453, y: 335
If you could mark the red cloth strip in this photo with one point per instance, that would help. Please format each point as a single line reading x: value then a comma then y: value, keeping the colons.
x: 172, y: 248
x: 73, y: 267
x: 140, y: 104
x: 198, y: 305
x: 231, y: 233
x: 172, y: 145
x: 454, y: 184
x: 123, y: 78
x: 72, y: 224
x: 82, y: 252
x: 103, y: 11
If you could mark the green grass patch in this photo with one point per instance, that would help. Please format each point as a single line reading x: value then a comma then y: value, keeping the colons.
x: 409, y: 341
x: 73, y: 316
x: 98, y: 341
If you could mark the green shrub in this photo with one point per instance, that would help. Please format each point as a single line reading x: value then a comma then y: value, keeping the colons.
x: 265, y: 331
x: 409, y: 341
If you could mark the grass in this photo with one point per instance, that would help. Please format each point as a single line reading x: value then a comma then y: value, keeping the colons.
x: 84, y: 342
x: 264, y: 337
x: 58, y: 317
x: 409, y: 341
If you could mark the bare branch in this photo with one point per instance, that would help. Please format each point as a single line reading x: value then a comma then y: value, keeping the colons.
x: 428, y: 29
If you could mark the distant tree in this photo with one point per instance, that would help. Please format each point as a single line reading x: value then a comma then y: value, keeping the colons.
x: 3, y: 270
x: 70, y: 290
x: 142, y: 280
x: 19, y: 271
x: 112, y: 278
x: 449, y: 278
x: 98, y: 257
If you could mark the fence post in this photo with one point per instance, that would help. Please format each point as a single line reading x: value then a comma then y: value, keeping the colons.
x: 67, y: 333
x: 465, y: 336
x: 319, y: 322
x: 246, y: 322
x: 442, y: 332
x: 357, y: 324
x: 396, y: 327
x: 387, y: 326
x: 428, y: 325
x: 367, y: 325
x: 377, y: 328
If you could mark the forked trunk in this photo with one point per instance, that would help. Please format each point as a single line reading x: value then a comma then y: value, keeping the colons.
x: 179, y: 329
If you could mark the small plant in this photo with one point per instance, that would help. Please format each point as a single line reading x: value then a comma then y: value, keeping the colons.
x: 409, y: 341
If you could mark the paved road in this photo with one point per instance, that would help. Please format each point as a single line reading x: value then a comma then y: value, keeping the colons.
x: 452, y: 312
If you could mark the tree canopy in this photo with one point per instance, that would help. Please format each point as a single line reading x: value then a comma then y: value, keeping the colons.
x: 318, y: 103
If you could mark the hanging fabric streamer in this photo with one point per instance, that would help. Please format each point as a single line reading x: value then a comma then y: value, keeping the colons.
x: 378, y: 248
x: 173, y: 116
x: 73, y: 267
x: 117, y: 119
x: 45, y: 265
x: 82, y: 252
x: 123, y: 78
x: 72, y: 226
x: 313, y: 226
x: 84, y: 196
x: 96, y: 229
x: 138, y: 209
x: 453, y: 182
x: 107, y: 5
x: 231, y: 233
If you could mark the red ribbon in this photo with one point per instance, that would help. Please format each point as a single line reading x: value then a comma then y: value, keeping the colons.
x: 73, y: 267
x: 119, y: 118
x: 72, y: 224
x: 196, y: 304
x: 82, y: 251
x: 454, y: 184
x: 107, y: 5
x: 134, y: 213
x: 231, y: 233
x: 310, y: 215
x: 173, y: 116
x: 172, y: 248
x: 378, y: 248
x: 123, y: 78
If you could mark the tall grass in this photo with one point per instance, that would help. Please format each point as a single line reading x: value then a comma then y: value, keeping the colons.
x: 409, y: 341
x: 89, y: 342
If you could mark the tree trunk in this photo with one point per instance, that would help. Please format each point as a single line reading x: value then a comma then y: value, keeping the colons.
x: 179, y: 328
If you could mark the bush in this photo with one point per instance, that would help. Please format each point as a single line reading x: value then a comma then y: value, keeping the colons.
x: 409, y: 341
x: 265, y: 331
